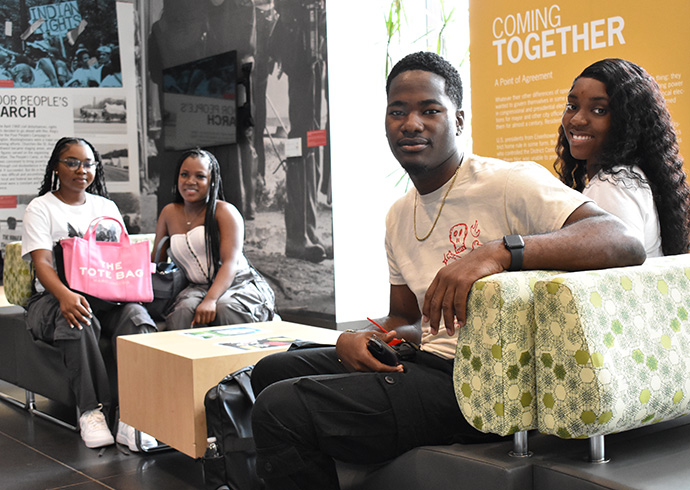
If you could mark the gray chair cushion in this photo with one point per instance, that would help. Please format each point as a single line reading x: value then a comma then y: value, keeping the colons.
x: 471, y: 466
x: 653, y: 457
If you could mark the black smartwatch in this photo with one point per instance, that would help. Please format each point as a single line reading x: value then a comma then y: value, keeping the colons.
x: 516, y: 246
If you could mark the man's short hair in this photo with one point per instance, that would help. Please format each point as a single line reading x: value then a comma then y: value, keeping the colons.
x: 431, y: 62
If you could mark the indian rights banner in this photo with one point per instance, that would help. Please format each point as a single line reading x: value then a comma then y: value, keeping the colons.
x: 58, y: 18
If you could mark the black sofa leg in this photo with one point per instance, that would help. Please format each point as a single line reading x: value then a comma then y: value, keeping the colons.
x: 520, y: 446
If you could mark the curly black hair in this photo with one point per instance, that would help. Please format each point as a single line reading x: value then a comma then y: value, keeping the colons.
x: 215, y: 193
x: 50, y: 179
x: 641, y: 134
x: 431, y: 62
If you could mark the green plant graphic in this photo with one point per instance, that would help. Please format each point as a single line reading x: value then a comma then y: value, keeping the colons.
x: 437, y: 22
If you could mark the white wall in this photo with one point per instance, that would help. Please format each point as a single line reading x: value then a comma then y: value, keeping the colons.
x: 364, y: 173
x: 360, y: 158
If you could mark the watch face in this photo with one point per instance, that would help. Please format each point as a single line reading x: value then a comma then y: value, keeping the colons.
x: 513, y: 241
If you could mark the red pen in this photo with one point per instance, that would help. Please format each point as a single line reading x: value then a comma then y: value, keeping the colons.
x: 392, y: 342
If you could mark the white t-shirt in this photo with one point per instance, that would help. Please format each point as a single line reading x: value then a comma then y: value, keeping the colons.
x: 632, y: 201
x: 47, y: 219
x: 490, y: 199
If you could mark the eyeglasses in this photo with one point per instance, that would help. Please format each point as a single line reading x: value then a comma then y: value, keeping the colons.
x: 75, y: 163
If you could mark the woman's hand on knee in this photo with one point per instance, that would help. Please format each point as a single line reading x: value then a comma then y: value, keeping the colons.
x: 205, y: 313
x: 75, y: 309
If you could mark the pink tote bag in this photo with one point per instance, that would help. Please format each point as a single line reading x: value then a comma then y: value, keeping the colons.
x: 113, y: 271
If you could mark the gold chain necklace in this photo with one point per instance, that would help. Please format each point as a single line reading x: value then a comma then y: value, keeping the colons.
x: 189, y: 221
x: 438, y: 215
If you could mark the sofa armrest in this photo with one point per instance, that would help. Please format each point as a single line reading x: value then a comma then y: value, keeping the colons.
x: 613, y: 348
x: 16, y: 275
x: 494, y: 373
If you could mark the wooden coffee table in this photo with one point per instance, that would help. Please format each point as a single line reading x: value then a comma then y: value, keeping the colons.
x: 164, y: 376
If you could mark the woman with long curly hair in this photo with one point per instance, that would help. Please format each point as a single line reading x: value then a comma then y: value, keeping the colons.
x: 617, y: 145
x: 72, y: 194
x: 206, y: 241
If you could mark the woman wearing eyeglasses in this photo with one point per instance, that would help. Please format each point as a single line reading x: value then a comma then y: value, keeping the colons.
x: 73, y: 193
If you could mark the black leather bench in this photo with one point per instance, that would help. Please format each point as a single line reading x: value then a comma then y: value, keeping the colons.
x: 31, y: 364
x: 651, y: 457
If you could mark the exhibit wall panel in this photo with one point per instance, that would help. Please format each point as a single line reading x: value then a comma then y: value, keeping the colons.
x: 525, y: 59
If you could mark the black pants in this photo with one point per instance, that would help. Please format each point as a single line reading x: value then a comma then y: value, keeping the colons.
x: 81, y: 353
x: 310, y: 411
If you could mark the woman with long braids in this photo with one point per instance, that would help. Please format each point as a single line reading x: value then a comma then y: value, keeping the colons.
x: 73, y: 193
x: 618, y: 146
x: 206, y: 240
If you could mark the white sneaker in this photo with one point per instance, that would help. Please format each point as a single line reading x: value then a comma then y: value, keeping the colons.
x: 94, y: 429
x: 127, y: 437
x: 147, y: 441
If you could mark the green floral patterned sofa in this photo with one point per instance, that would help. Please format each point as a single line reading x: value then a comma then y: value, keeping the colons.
x: 16, y: 276
x: 494, y: 373
x: 613, y: 349
x: 576, y: 355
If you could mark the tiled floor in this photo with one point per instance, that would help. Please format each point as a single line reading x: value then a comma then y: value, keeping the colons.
x: 38, y: 455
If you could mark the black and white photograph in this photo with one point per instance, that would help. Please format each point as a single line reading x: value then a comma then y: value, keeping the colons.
x: 200, y: 102
x: 115, y: 160
x: 277, y: 174
x: 102, y: 114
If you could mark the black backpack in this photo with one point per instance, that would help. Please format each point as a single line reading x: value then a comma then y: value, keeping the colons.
x: 228, y: 418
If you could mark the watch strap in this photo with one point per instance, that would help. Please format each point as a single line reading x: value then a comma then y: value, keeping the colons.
x: 516, y: 246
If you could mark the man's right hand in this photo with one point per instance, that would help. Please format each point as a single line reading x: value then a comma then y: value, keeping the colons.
x: 352, y: 351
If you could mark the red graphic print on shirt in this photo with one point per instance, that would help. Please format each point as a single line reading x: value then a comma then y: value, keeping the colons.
x: 462, y: 237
